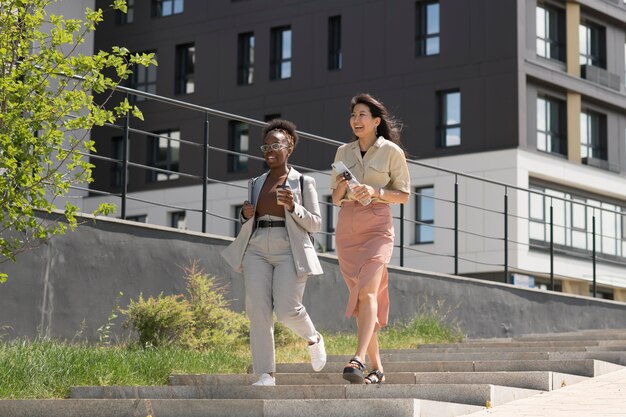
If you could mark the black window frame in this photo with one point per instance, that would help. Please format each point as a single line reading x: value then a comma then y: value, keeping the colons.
x: 160, y: 8
x: 245, y: 58
x: 554, y: 136
x: 176, y: 217
x: 148, y: 85
x: 127, y: 18
x: 277, y: 60
x: 335, y: 57
x: 422, y: 222
x: 139, y: 218
x: 596, y: 55
x: 422, y: 36
x: 443, y: 127
x: 237, y: 163
x: 554, y: 42
x: 168, y: 163
x: 185, y: 68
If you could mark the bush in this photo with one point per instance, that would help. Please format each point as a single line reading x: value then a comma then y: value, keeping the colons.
x: 201, y: 320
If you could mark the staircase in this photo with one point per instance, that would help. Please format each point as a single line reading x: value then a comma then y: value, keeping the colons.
x: 431, y: 380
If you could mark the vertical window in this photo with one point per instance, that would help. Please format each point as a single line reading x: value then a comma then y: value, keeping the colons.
x: 239, y: 142
x: 116, y: 168
x: 165, y: 154
x: 178, y: 220
x: 425, y: 214
x: 330, y: 224
x: 140, y: 218
x: 334, y: 43
x: 237, y: 225
x: 551, y: 129
x: 592, y: 40
x: 537, y: 215
x: 167, y: 7
x: 427, y: 28
x: 280, y: 60
x: 122, y: 18
x: 592, y: 135
x: 449, y: 118
x: 144, y: 79
x: 245, y: 59
x: 550, y: 32
x: 185, y: 69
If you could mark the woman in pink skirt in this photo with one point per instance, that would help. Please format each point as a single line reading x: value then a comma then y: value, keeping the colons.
x: 365, y: 233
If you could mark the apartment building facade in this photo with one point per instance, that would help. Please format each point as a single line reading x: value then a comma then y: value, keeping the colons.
x: 529, y: 93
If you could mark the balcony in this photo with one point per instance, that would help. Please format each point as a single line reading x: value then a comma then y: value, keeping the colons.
x: 600, y: 76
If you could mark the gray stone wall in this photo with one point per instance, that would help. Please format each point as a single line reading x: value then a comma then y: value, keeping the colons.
x: 69, y: 286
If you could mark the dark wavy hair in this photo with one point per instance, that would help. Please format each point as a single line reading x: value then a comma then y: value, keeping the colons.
x: 389, y: 126
x: 288, y: 128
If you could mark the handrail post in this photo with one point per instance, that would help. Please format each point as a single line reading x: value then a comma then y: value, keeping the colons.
x: 593, y: 253
x: 401, y: 234
x: 551, y: 246
x: 125, y: 143
x: 456, y: 225
x: 205, y: 170
x: 506, y: 235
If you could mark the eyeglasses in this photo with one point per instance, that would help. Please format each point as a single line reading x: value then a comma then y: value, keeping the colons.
x: 274, y: 146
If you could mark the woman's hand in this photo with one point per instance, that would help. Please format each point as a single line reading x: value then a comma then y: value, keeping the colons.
x: 247, y: 210
x: 363, y: 191
x: 340, y: 191
x: 286, y: 197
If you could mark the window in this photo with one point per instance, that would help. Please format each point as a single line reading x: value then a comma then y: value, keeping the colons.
x: 178, y: 220
x: 449, y: 125
x: 239, y: 142
x: 592, y: 40
x: 167, y: 7
x: 140, y: 218
x: 427, y: 28
x: 164, y: 154
x: 122, y: 18
x: 573, y: 218
x: 425, y: 215
x: 280, y: 59
x: 144, y: 79
x: 117, y: 152
x: 550, y: 32
x: 237, y: 225
x: 330, y: 224
x: 592, y: 135
x: 245, y: 59
x: 185, y: 68
x: 334, y: 43
x: 551, y: 128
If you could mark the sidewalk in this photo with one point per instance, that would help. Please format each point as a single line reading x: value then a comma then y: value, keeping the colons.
x: 604, y: 395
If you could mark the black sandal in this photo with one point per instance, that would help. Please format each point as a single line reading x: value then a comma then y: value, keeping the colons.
x: 354, y: 371
x: 375, y: 377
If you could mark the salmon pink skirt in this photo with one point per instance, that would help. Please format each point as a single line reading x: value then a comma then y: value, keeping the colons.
x: 364, y: 241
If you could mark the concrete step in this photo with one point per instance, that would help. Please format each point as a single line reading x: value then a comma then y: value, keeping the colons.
x: 537, y: 380
x: 233, y: 408
x: 460, y: 348
x: 474, y: 394
x: 608, y: 356
x: 499, y: 343
x: 583, y: 367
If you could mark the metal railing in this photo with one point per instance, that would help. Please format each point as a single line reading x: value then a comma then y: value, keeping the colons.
x: 455, y: 228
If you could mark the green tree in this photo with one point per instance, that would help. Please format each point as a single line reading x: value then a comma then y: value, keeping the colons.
x: 47, y: 108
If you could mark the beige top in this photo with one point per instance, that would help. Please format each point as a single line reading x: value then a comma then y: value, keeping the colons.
x: 384, y: 165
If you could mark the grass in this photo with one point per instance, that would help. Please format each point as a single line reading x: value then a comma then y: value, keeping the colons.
x: 48, y: 368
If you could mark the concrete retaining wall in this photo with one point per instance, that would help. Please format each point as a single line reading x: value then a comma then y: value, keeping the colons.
x: 70, y: 285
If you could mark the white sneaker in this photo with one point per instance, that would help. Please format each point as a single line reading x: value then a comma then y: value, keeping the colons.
x: 318, y: 354
x: 266, y: 380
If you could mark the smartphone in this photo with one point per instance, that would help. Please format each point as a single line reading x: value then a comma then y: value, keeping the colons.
x: 341, y: 168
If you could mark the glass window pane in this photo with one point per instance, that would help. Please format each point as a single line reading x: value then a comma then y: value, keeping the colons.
x: 536, y: 206
x: 178, y: 6
x: 286, y: 41
x: 541, y: 22
x: 578, y: 216
x: 579, y: 240
x: 536, y: 231
x: 244, y: 142
x: 432, y: 46
x: 285, y: 70
x: 432, y: 19
x: 453, y: 108
x: 541, y: 115
x: 453, y: 136
x: 426, y: 233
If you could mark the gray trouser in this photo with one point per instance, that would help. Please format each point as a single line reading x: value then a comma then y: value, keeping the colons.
x: 272, y: 285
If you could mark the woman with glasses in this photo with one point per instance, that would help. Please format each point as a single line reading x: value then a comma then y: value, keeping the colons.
x: 275, y: 252
x: 365, y: 234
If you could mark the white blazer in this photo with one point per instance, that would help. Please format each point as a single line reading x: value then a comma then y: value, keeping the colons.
x: 305, y: 219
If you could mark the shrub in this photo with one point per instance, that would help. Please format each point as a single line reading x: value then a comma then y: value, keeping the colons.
x: 200, y: 320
